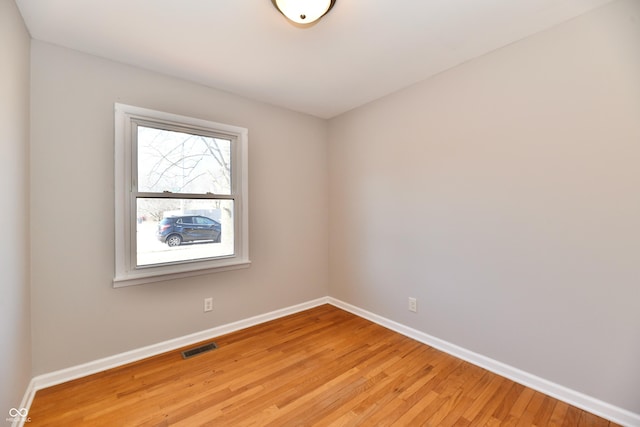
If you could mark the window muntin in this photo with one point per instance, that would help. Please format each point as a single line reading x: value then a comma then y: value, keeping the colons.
x: 170, y: 166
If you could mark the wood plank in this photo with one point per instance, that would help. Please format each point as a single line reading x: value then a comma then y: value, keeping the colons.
x: 558, y: 415
x: 323, y: 366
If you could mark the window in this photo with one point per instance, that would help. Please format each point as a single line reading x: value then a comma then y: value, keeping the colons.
x: 181, y: 196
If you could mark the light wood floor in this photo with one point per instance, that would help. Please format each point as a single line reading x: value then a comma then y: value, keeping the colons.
x: 319, y: 367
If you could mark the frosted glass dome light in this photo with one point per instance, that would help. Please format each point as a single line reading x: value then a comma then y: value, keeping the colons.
x: 303, y: 11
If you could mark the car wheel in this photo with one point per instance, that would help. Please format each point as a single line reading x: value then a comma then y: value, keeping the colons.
x: 174, y: 240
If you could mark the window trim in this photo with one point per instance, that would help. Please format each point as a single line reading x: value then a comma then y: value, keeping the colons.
x: 126, y: 272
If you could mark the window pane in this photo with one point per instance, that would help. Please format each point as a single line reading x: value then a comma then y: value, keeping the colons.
x: 177, y: 230
x: 182, y: 163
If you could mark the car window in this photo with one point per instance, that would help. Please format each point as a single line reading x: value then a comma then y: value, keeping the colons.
x: 203, y: 221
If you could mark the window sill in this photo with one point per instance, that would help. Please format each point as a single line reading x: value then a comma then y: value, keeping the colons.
x: 140, y: 277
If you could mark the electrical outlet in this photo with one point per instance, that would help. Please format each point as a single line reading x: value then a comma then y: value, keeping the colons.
x: 413, y: 305
x: 208, y: 304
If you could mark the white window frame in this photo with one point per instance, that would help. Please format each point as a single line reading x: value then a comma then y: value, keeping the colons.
x: 126, y: 271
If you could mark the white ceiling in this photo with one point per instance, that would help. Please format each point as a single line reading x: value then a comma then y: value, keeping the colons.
x: 360, y: 51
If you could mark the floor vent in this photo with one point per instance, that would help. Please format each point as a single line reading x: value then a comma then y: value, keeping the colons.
x: 199, y: 350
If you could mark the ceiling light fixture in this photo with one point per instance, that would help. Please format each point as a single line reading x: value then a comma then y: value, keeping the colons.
x: 303, y: 11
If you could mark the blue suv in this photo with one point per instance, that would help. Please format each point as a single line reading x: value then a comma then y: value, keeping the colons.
x: 189, y: 228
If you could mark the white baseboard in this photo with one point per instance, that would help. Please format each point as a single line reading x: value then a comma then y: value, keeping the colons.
x: 26, y: 403
x: 572, y: 397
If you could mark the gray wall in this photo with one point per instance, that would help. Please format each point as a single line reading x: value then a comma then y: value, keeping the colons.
x: 504, y: 195
x: 15, y: 326
x: 77, y: 316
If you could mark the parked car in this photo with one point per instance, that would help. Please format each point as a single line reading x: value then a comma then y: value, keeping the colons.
x: 188, y: 228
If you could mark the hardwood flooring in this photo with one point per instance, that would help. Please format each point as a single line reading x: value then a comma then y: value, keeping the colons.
x: 321, y: 367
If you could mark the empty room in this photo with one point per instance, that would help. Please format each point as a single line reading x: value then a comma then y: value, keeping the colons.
x: 332, y: 212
